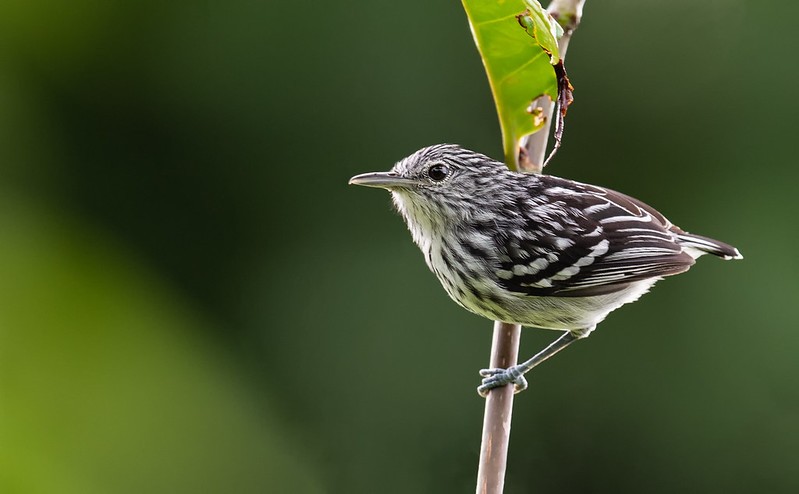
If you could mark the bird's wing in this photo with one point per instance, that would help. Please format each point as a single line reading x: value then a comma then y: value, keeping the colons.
x: 582, y: 240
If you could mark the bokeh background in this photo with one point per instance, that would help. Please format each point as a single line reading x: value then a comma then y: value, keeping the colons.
x: 193, y: 300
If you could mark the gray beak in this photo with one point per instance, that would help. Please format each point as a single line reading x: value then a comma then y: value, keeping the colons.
x: 383, y: 180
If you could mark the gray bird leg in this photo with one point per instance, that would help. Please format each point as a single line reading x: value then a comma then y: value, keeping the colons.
x: 494, y: 378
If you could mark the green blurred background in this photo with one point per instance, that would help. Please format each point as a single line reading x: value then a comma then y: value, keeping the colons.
x: 193, y: 300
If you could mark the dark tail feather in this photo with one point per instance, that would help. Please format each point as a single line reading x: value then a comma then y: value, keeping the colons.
x: 708, y: 246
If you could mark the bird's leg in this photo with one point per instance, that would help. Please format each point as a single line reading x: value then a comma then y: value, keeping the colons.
x: 494, y: 378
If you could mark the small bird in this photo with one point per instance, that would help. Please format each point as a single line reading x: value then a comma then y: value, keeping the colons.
x: 530, y: 249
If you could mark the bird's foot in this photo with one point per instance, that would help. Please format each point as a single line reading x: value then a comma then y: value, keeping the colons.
x: 495, y: 378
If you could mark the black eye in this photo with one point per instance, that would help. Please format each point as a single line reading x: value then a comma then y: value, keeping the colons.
x: 438, y: 172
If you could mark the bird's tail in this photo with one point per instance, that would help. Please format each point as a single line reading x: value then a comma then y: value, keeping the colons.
x: 697, y: 245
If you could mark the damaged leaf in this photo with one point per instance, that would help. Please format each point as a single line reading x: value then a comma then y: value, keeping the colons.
x: 542, y: 27
x: 537, y: 112
x: 518, y: 61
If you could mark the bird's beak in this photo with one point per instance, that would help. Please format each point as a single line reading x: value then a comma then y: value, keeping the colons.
x: 383, y: 180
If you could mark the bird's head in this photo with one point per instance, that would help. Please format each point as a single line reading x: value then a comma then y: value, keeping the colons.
x: 440, y: 182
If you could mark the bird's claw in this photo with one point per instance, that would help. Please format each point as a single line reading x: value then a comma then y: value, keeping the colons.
x: 495, y: 378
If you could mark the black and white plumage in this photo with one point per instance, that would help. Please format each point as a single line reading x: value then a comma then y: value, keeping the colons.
x: 532, y: 249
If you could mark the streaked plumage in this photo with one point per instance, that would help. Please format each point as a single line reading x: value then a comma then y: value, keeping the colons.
x: 534, y: 249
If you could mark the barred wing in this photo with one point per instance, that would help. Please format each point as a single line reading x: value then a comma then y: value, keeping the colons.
x: 580, y: 240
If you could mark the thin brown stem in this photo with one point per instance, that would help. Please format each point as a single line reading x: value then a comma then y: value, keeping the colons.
x: 505, y: 345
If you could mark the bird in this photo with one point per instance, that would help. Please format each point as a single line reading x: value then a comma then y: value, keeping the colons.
x: 533, y: 249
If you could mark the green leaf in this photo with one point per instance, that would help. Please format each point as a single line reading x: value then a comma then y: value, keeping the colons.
x: 543, y: 28
x: 517, y: 41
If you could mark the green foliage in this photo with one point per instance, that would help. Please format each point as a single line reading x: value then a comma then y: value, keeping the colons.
x: 106, y: 389
x: 517, y: 41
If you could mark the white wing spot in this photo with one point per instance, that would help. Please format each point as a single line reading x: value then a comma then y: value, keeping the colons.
x: 537, y: 265
x: 584, y: 261
x: 597, y: 208
x: 539, y: 284
x: 553, y: 191
x: 563, y: 243
x: 618, y: 219
x: 505, y: 275
x: 600, y: 248
x: 566, y: 273
x: 597, y: 231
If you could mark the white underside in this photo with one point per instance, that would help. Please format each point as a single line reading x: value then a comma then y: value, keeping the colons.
x: 578, y: 314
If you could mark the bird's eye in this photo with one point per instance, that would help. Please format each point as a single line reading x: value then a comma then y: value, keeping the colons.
x: 438, y: 172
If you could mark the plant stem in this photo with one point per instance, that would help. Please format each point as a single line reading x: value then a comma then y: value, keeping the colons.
x: 568, y: 13
x: 505, y: 344
x: 498, y: 411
